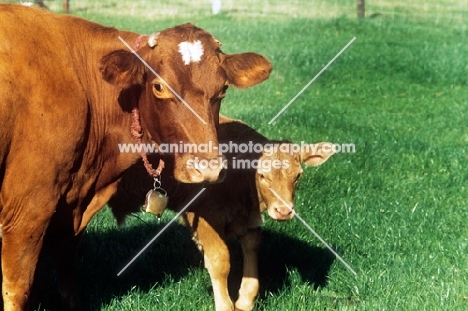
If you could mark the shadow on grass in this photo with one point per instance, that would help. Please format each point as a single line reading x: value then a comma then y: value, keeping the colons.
x: 103, y: 254
x: 279, y: 254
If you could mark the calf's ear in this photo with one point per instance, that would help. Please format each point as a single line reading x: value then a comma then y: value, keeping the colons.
x: 122, y: 68
x: 246, y: 69
x: 316, y: 154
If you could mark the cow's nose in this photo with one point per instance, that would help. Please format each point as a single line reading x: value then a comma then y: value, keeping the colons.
x: 192, y: 169
x: 209, y: 175
x: 211, y: 169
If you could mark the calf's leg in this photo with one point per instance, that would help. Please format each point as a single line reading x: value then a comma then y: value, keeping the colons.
x: 217, y: 259
x: 250, y: 243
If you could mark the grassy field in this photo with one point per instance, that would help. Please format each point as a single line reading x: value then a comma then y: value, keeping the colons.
x: 395, y: 210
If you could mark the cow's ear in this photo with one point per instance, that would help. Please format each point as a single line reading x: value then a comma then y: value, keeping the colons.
x: 122, y: 68
x: 316, y: 154
x: 246, y: 69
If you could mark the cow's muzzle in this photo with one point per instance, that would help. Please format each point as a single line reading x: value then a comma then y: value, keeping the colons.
x: 194, y: 169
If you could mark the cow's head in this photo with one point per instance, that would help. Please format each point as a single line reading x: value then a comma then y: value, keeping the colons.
x: 181, y: 94
x: 278, y: 173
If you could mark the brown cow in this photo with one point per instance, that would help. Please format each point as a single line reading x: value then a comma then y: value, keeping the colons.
x: 232, y: 208
x: 70, y: 92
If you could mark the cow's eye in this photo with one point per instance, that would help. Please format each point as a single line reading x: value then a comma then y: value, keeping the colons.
x: 161, y: 91
x: 158, y: 87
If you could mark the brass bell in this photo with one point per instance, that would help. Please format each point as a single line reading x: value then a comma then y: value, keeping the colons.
x: 155, y: 202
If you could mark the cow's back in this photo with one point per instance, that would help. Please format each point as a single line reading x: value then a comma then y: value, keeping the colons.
x: 32, y: 48
x: 46, y: 64
x: 42, y: 100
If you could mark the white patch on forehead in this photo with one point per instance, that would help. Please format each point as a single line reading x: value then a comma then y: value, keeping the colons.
x: 191, y: 52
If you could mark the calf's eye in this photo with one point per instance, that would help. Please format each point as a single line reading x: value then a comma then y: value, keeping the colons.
x: 263, y: 178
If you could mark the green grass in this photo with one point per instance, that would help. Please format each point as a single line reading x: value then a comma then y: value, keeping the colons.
x: 395, y: 210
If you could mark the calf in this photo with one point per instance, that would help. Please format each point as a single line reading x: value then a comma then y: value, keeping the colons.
x: 233, y: 207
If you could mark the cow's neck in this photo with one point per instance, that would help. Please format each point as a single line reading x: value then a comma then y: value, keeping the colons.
x: 110, y: 107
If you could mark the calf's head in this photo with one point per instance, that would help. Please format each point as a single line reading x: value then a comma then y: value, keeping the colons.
x: 278, y: 173
x: 179, y: 96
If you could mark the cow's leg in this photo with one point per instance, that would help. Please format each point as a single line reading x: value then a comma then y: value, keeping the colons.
x: 62, y: 244
x: 250, y: 243
x: 97, y: 203
x: 25, y: 218
x: 216, y: 256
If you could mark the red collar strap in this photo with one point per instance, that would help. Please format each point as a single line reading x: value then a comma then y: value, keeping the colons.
x: 137, y: 134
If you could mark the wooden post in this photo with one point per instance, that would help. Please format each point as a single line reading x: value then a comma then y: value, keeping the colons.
x: 216, y: 6
x: 41, y: 4
x: 66, y: 6
x: 361, y: 8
